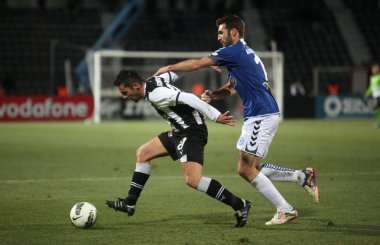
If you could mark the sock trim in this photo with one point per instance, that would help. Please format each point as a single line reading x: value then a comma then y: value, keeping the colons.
x: 203, y: 184
x: 220, y: 193
x: 267, y: 165
x: 144, y: 168
x: 134, y: 184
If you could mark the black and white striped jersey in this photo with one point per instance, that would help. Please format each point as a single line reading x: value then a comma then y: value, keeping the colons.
x: 184, y: 111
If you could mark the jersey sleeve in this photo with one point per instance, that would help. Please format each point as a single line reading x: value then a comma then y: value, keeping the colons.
x: 223, y: 56
x: 169, y: 77
x: 198, y: 104
x: 163, y: 96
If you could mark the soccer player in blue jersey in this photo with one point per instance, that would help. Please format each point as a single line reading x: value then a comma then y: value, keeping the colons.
x: 248, y: 78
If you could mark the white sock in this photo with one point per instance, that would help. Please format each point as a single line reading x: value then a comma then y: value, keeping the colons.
x: 204, y: 183
x: 269, y: 191
x: 276, y: 173
x: 143, y: 167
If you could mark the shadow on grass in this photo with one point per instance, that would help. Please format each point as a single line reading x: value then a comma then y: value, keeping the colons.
x: 256, y: 221
x: 326, y: 225
x: 219, y: 219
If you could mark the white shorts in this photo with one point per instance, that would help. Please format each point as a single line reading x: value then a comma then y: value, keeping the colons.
x: 257, y: 134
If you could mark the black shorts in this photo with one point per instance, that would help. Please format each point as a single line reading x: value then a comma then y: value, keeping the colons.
x: 187, y: 148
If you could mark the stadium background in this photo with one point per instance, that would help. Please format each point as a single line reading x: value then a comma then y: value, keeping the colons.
x: 47, y: 167
x: 326, y: 45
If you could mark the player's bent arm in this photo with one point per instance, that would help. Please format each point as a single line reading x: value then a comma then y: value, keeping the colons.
x: 187, y: 65
x: 224, y: 92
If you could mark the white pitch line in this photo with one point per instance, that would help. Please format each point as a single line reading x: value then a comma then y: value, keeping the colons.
x: 349, y: 229
x: 15, y: 181
x: 127, y: 178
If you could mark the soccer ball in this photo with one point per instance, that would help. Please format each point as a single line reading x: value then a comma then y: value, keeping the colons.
x: 83, y: 215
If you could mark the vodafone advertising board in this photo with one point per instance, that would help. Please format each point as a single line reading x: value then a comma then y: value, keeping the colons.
x: 45, y: 108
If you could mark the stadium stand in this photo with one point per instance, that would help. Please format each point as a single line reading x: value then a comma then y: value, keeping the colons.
x: 26, y: 36
x: 179, y: 31
x: 368, y: 18
x: 305, y: 31
x: 307, y: 34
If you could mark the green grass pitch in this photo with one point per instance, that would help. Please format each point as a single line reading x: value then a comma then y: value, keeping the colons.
x: 45, y: 168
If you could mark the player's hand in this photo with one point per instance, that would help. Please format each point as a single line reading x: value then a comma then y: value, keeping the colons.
x: 161, y: 71
x: 224, y: 118
x: 216, y: 68
x: 207, y: 96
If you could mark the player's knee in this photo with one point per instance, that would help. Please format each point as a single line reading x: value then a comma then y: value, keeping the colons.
x: 242, y: 172
x: 242, y: 168
x: 192, y: 181
x: 142, y: 154
x: 247, y: 173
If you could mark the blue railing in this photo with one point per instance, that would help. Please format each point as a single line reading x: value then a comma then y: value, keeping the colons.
x: 112, y: 36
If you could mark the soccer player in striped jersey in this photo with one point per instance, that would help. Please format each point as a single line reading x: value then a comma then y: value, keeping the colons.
x: 185, y: 141
x: 248, y: 78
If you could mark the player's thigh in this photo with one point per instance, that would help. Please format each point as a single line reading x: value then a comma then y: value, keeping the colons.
x: 191, y: 149
x: 169, y: 143
x: 257, y: 134
x: 150, y: 150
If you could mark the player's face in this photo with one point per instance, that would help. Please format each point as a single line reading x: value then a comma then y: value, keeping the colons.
x: 133, y: 93
x: 224, y: 36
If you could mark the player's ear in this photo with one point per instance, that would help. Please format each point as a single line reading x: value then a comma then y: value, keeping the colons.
x: 234, y: 32
x: 137, y: 86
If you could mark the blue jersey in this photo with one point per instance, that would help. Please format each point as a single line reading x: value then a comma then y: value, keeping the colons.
x: 247, y: 74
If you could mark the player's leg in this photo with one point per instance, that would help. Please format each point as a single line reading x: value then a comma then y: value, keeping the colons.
x: 144, y: 154
x: 307, y: 178
x: 247, y: 169
x: 152, y: 149
x: 193, y: 177
x: 190, y: 151
x: 274, y: 173
x: 257, y: 134
x: 277, y: 173
x: 377, y: 112
x: 213, y: 188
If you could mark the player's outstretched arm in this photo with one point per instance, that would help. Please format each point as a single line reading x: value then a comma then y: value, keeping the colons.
x: 226, y: 119
x: 186, y: 65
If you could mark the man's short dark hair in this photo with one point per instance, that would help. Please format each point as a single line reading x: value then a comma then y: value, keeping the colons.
x: 232, y: 21
x: 127, y: 78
